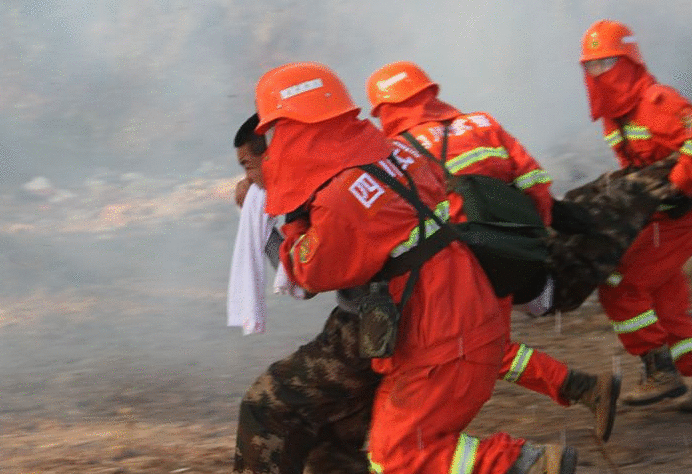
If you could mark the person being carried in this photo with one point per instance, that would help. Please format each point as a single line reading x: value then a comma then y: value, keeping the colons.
x: 308, y: 412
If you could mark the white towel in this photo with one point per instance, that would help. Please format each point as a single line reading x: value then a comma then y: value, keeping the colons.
x: 246, y: 305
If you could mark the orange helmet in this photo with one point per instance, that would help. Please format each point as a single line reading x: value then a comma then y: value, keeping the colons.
x: 607, y: 38
x: 304, y: 92
x: 396, y: 82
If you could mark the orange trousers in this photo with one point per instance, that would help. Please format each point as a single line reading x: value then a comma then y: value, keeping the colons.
x: 419, y: 415
x: 647, y: 299
x: 529, y: 368
x: 534, y: 370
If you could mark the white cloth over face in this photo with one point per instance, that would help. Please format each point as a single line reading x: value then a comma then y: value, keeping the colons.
x: 246, y: 304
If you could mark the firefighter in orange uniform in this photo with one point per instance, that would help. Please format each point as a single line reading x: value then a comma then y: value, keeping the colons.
x: 451, y: 333
x: 405, y: 100
x: 644, y: 122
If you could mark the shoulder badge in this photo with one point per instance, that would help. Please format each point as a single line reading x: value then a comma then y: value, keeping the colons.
x: 307, y: 246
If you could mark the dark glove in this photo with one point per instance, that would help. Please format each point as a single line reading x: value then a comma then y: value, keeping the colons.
x: 571, y: 218
x: 681, y: 205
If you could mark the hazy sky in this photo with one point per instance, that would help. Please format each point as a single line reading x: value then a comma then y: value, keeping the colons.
x: 159, y: 86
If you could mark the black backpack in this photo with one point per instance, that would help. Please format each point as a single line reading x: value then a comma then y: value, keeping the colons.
x: 504, y: 230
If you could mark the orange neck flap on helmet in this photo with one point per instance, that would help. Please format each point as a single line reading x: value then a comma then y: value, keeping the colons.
x: 304, y: 156
x: 617, y: 91
x: 419, y: 108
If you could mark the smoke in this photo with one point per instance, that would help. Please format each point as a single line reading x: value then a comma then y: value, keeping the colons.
x: 116, y: 102
x: 160, y: 86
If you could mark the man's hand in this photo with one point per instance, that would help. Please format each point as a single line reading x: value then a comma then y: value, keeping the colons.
x: 241, y: 189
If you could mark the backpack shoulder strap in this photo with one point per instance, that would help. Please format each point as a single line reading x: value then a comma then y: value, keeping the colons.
x: 421, y: 149
x: 409, y: 194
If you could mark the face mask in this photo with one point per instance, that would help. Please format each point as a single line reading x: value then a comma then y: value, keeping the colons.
x: 615, y: 92
x: 596, y: 67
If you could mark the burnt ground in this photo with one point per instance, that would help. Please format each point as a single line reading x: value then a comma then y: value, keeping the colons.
x: 115, y: 358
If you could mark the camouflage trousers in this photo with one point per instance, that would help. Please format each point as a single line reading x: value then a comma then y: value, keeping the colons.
x: 310, y: 412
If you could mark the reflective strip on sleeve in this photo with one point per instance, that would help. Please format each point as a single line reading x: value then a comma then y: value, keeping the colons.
x: 295, y: 246
x: 645, y: 319
x: 374, y: 467
x: 614, y: 279
x: 613, y: 138
x: 460, y: 162
x: 686, y: 147
x: 519, y: 363
x: 681, y: 348
x: 532, y: 178
x: 441, y: 211
x: 636, y: 132
x: 465, y: 455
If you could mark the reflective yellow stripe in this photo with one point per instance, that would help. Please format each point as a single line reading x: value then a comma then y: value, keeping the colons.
x: 464, y: 455
x: 532, y: 178
x: 474, y: 156
x: 441, y: 211
x: 374, y: 467
x: 519, y: 363
x: 681, y: 348
x: 645, y: 319
x: 613, y: 138
x: 614, y: 279
x: 294, y: 246
x: 686, y: 147
x: 636, y: 132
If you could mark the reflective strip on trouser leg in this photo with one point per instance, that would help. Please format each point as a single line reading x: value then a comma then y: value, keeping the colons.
x: 647, y: 318
x: 681, y: 348
x: 519, y: 363
x: 462, y: 463
x: 374, y: 467
x: 465, y: 455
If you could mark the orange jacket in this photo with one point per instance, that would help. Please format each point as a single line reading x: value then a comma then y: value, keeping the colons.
x: 477, y: 144
x: 357, y: 223
x: 660, y: 124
